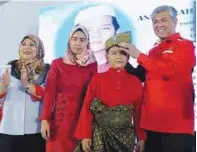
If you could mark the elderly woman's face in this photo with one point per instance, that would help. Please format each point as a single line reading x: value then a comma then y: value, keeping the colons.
x: 78, y: 42
x: 28, y: 49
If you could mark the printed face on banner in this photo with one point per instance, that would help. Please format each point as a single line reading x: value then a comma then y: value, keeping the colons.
x: 100, y: 29
x: 101, y: 20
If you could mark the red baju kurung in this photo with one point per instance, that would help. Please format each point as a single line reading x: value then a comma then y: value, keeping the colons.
x: 65, y: 88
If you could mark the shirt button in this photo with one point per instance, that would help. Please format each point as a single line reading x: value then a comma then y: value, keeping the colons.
x: 117, y: 88
x: 118, y: 81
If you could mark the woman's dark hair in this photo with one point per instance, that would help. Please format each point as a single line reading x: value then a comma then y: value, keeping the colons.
x: 115, y: 23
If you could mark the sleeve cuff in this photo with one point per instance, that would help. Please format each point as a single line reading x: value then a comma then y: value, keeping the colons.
x: 44, y: 118
x: 3, y: 95
x: 81, y: 133
x: 39, y: 91
x: 142, y: 135
x: 80, y: 137
x: 142, y: 58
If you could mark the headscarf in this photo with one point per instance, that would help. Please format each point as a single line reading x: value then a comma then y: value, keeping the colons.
x: 39, y: 45
x: 85, y: 57
x: 35, y: 67
x: 117, y: 39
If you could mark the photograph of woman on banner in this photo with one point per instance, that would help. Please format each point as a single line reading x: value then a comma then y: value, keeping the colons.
x: 110, y: 20
x: 65, y: 89
x: 101, y: 22
x: 110, y: 116
x: 21, y: 93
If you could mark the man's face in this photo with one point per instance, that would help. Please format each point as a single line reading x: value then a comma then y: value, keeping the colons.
x: 163, y: 25
x: 100, y: 29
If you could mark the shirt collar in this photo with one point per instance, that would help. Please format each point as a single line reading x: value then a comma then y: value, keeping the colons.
x: 117, y: 71
x: 171, y: 38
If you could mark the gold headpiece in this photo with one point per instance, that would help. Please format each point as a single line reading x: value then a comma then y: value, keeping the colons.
x: 119, y: 38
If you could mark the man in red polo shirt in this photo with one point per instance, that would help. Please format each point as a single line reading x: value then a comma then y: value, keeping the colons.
x: 167, y: 110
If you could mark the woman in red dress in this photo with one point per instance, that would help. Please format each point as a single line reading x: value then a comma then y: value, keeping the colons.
x: 65, y: 88
x: 110, y: 117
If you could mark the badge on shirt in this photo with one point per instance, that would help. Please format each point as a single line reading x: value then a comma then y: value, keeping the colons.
x: 170, y: 50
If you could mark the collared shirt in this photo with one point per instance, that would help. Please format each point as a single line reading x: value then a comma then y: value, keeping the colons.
x: 113, y: 88
x: 20, y: 113
x: 168, y: 95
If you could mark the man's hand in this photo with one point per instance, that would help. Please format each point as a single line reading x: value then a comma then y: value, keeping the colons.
x: 131, y: 49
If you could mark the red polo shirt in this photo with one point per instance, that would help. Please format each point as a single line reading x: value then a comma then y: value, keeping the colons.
x: 168, y: 96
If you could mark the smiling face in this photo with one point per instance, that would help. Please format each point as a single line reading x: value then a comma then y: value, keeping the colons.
x: 117, y: 58
x: 78, y: 42
x: 100, y: 29
x: 28, y: 49
x: 163, y: 25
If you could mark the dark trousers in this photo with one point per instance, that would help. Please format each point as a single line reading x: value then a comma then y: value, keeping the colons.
x: 167, y: 142
x: 22, y: 143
